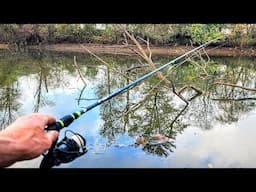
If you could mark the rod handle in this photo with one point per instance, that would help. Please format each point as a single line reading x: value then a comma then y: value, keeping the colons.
x: 55, y: 126
x: 63, y: 122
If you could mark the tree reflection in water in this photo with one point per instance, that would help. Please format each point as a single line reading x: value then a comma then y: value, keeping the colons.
x: 157, y: 144
x: 145, y: 110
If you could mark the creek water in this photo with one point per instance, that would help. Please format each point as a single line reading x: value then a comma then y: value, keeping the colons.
x: 215, y: 130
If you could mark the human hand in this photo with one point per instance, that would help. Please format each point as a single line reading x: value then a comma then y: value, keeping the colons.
x: 26, y: 138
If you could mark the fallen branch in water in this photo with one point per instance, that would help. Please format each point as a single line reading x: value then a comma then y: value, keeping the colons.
x: 80, y: 95
x: 231, y: 99
x: 136, y: 67
x: 148, y: 59
x: 189, y: 86
x: 79, y: 71
x: 234, y: 85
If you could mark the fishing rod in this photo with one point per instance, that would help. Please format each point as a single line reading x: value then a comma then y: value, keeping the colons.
x: 68, y: 119
x: 71, y: 147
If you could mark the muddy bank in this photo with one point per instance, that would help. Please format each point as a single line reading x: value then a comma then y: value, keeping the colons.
x: 4, y: 46
x: 126, y: 50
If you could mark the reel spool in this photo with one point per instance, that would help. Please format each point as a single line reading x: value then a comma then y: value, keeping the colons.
x: 65, y: 151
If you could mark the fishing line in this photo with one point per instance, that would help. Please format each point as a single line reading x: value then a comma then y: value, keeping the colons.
x: 169, y: 71
x: 75, y: 146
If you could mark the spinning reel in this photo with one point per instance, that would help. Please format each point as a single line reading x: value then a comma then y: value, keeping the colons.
x: 65, y: 151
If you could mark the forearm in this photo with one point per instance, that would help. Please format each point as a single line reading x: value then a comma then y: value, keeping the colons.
x: 26, y: 138
x: 8, y: 150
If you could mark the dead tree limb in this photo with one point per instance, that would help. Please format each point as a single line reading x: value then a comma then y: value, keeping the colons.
x: 100, y: 59
x: 231, y: 99
x: 80, y: 95
x: 79, y: 71
x: 175, y: 92
x: 234, y: 85
x: 141, y: 52
x: 182, y: 110
x: 147, y: 58
x: 136, y: 67
x: 189, y: 86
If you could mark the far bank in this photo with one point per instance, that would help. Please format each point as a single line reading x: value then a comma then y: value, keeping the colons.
x: 128, y: 49
x: 156, y: 50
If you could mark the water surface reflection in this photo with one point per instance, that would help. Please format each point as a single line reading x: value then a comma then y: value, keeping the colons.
x: 216, y: 129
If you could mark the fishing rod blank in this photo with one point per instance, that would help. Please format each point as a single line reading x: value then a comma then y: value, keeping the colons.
x: 68, y: 119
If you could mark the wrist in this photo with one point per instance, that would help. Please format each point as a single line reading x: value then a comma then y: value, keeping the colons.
x: 9, y: 149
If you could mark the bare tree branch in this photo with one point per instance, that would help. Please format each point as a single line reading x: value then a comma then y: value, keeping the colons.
x: 189, y: 86
x: 231, y: 99
x: 234, y: 85
x: 80, y: 95
x: 147, y: 58
x: 149, y: 50
x: 104, y: 62
x: 78, y: 70
x: 136, y: 67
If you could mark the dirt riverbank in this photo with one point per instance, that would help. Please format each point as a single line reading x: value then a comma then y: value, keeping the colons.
x: 126, y: 50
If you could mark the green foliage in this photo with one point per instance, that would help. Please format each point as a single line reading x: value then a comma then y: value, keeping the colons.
x: 158, y: 34
x: 76, y: 32
x: 7, y: 32
x: 108, y: 35
x: 242, y: 35
x: 202, y: 33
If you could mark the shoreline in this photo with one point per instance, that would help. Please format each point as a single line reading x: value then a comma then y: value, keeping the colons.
x: 126, y: 49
